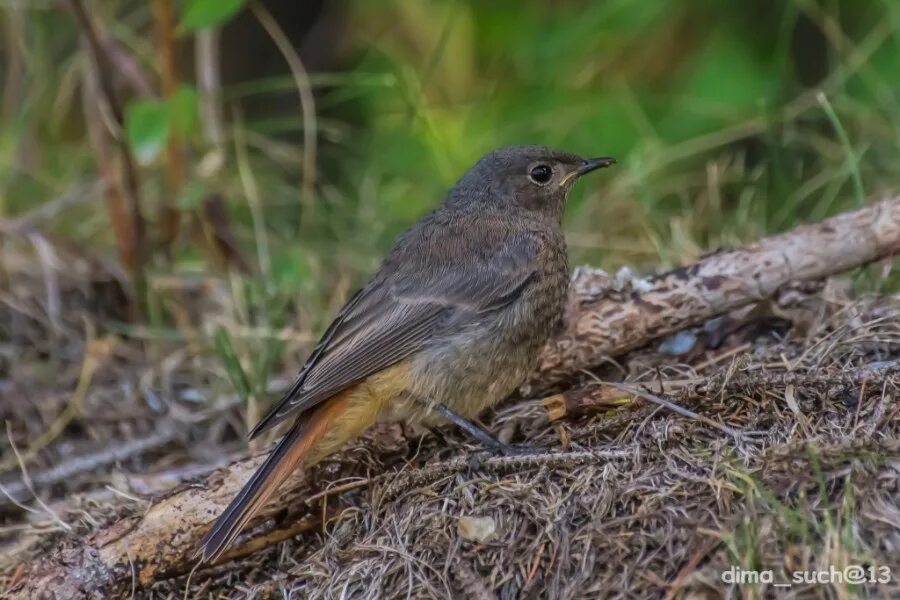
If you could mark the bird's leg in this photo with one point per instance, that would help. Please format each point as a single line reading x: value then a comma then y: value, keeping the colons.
x: 437, y: 434
x: 480, y: 434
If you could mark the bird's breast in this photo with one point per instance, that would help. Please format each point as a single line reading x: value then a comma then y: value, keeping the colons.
x: 485, y: 361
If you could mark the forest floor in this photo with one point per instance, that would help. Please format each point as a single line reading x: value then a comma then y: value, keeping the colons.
x: 638, y: 502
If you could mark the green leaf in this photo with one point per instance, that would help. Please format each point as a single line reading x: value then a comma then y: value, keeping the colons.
x: 203, y: 14
x: 192, y: 195
x: 290, y: 270
x: 183, y: 110
x: 147, y: 128
x: 149, y: 123
x: 236, y: 373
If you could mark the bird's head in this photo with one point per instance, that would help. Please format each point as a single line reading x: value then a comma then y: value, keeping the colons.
x: 535, y: 179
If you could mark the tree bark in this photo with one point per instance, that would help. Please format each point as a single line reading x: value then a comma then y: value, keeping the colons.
x: 160, y: 542
x: 600, y: 321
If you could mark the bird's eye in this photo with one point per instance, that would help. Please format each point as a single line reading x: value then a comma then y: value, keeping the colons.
x: 540, y: 174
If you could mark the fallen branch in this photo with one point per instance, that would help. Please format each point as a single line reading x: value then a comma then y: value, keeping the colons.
x: 16, y: 491
x: 152, y: 544
x: 601, y: 322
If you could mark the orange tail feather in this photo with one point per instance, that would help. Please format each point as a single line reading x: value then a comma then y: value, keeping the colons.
x: 281, y: 462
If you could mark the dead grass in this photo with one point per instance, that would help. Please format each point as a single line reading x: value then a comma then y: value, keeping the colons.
x: 637, y: 503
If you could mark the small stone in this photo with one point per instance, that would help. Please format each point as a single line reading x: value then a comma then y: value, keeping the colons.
x: 477, y: 529
x: 679, y: 344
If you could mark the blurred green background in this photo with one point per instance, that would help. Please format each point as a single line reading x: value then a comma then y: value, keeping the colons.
x: 291, y: 141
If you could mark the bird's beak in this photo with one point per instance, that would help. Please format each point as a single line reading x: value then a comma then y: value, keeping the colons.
x: 592, y: 164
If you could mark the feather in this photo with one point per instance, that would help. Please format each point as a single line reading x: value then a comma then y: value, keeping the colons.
x: 280, y: 463
x: 383, y: 323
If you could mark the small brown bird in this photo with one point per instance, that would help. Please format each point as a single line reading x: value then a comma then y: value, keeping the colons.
x: 450, y: 324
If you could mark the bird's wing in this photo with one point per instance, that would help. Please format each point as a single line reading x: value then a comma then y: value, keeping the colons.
x: 393, y: 317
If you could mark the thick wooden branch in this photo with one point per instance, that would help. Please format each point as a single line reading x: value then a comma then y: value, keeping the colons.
x: 159, y: 542
x: 602, y: 322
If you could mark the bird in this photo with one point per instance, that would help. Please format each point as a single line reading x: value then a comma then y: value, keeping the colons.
x: 450, y: 324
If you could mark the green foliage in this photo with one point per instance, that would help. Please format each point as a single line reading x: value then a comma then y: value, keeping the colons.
x: 290, y: 271
x: 203, y: 14
x: 712, y: 109
x: 192, y: 195
x: 147, y: 125
x: 183, y: 110
x: 233, y: 368
x: 150, y: 123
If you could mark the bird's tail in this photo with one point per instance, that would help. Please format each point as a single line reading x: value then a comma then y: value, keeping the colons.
x: 281, y: 462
